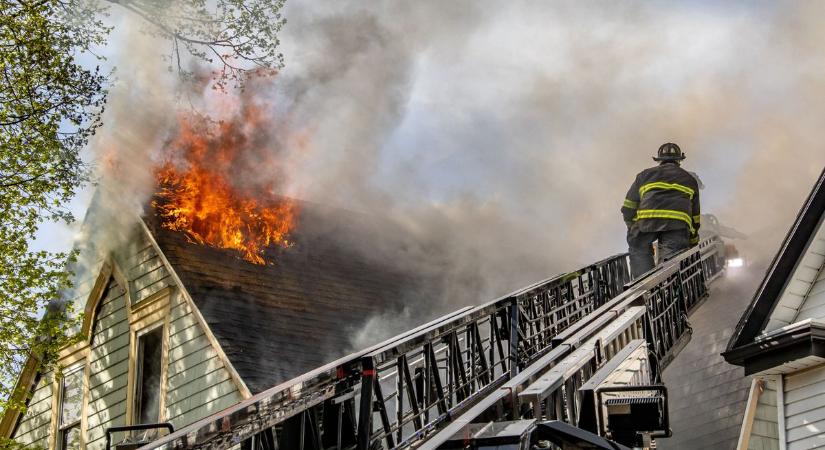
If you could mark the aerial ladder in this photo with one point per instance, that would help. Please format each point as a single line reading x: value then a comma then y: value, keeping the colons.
x: 573, y: 361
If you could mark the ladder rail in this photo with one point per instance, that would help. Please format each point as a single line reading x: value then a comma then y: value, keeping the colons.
x: 406, y: 389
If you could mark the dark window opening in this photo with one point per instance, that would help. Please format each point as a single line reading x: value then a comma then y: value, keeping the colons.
x: 147, y: 382
x: 70, y: 438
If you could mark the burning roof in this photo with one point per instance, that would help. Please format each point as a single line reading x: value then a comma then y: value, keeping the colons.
x: 217, y: 183
x: 283, y: 285
x: 276, y: 321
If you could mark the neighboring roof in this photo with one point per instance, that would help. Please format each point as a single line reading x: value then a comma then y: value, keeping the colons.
x: 782, y: 269
x: 707, y: 396
x: 787, y: 349
x: 275, y: 322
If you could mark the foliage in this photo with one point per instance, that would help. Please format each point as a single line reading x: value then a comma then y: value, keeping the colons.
x: 50, y: 106
x: 9, y: 444
x: 238, y: 35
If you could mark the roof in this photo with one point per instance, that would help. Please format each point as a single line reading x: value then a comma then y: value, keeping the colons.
x: 275, y: 322
x: 788, y: 349
x: 707, y: 396
x: 785, y: 264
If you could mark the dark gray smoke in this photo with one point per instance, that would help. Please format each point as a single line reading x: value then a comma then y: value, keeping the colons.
x: 500, y: 138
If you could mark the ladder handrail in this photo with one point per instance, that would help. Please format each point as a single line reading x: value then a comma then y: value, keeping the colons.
x: 528, y: 320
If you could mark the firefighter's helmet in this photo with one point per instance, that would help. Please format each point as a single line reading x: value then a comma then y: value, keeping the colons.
x: 669, y: 152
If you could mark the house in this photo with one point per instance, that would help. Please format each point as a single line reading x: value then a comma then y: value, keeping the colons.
x: 780, y: 340
x: 175, y: 331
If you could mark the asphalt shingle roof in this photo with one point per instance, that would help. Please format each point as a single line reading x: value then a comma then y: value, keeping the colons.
x: 278, y: 321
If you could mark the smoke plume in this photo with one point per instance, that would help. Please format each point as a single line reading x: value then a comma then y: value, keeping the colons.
x: 499, y: 139
x: 505, y: 136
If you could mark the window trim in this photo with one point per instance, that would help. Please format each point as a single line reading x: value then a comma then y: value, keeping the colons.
x: 144, y: 317
x: 79, y: 367
x: 74, y: 357
x: 139, y: 370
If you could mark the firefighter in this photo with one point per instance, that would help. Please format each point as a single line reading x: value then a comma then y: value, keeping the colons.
x: 662, y: 205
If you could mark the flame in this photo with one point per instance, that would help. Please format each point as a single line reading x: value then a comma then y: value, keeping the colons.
x: 198, y: 195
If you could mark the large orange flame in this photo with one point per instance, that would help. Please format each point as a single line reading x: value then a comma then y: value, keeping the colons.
x: 198, y: 197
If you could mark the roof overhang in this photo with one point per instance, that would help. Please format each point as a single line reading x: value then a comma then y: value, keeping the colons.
x: 781, y: 348
x: 781, y: 270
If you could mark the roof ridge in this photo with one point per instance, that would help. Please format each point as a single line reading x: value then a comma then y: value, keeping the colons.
x: 784, y: 263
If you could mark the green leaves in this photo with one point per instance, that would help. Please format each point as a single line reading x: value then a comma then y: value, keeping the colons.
x: 49, y: 107
x: 238, y: 36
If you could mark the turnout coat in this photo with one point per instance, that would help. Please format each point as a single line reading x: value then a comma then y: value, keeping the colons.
x: 662, y: 198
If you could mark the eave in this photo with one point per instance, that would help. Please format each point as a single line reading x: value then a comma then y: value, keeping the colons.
x: 781, y: 269
x: 795, y: 342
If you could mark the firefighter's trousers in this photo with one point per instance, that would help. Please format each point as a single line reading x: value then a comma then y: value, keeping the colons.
x: 671, y: 242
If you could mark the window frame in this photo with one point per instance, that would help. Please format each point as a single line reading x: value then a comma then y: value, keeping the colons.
x: 144, y: 317
x: 138, y: 364
x: 62, y: 429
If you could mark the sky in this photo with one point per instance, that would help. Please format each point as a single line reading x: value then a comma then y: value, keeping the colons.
x: 507, y: 134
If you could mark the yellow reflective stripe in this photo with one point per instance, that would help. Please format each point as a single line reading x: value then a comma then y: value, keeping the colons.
x: 665, y: 214
x: 630, y: 204
x: 697, y: 219
x: 666, y: 186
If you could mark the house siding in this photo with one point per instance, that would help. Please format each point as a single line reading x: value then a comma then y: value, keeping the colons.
x: 814, y: 306
x: 108, y: 366
x: 147, y: 273
x: 34, y: 428
x: 804, y: 296
x: 765, y: 429
x: 804, y: 412
x: 198, y: 382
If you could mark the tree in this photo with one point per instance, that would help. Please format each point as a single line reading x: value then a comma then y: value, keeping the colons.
x: 239, y: 35
x: 51, y: 104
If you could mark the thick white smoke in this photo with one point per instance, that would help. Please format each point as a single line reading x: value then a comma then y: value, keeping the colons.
x: 501, y: 137
x: 507, y: 135
x: 141, y: 105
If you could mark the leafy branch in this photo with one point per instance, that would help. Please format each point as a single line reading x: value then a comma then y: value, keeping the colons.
x: 50, y: 107
x: 238, y: 36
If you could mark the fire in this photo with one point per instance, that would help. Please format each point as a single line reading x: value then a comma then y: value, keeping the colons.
x: 198, y: 193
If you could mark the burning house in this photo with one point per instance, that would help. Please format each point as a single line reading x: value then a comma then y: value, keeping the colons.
x: 175, y: 330
x: 213, y: 297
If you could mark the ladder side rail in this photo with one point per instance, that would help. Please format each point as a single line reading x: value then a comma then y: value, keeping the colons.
x: 585, y: 291
x: 666, y: 294
x: 523, y: 321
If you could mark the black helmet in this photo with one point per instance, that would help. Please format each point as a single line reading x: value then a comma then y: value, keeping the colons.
x: 669, y: 152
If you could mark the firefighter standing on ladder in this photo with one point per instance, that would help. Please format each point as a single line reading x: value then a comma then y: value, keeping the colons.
x: 662, y: 204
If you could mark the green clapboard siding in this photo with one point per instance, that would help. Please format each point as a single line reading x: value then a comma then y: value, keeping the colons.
x: 108, y: 370
x: 148, y: 276
x: 199, y: 384
x: 34, y: 428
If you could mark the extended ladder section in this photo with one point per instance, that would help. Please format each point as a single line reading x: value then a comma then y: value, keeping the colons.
x: 562, y: 349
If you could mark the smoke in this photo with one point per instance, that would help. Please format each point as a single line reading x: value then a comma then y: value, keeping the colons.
x: 499, y: 138
x: 504, y: 137
x: 141, y: 104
